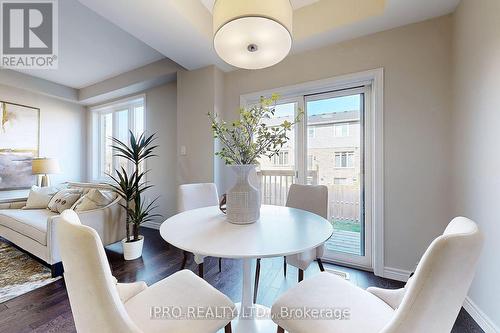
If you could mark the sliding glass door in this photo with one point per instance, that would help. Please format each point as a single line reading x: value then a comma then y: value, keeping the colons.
x: 335, y: 158
x: 326, y: 148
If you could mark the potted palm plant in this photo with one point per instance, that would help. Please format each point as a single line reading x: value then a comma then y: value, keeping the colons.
x: 130, y: 186
x: 243, y: 143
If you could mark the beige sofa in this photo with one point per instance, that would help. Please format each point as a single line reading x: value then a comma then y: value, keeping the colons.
x: 33, y: 230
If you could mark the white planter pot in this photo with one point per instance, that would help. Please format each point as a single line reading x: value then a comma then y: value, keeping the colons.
x: 132, y: 250
x: 243, y: 199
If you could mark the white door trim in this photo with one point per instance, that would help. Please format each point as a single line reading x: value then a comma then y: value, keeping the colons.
x: 374, y: 77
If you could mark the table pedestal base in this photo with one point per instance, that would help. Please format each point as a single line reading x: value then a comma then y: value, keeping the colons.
x: 259, y: 322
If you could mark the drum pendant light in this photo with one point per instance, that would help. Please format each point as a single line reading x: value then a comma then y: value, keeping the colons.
x: 252, y: 34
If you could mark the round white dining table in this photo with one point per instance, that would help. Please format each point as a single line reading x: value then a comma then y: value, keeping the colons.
x: 280, y: 231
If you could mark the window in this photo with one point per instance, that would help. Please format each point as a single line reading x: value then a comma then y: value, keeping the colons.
x: 340, y: 181
x: 341, y: 130
x: 281, y: 159
x: 310, y: 159
x: 311, y: 131
x: 113, y: 120
x: 344, y: 159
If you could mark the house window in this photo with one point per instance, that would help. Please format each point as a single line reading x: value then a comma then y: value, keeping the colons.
x: 281, y: 159
x: 311, y: 131
x: 344, y: 159
x: 340, y: 181
x: 341, y: 130
x: 113, y: 120
x: 310, y: 160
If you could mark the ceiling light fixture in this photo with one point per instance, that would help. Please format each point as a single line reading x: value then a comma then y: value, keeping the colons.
x: 252, y: 34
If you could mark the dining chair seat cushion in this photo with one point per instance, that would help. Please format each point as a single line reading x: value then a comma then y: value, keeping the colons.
x: 304, y: 259
x: 366, y: 312
x: 393, y: 297
x: 128, y: 290
x: 180, y: 291
x: 199, y: 259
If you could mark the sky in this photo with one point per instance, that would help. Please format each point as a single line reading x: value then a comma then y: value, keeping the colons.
x: 337, y: 104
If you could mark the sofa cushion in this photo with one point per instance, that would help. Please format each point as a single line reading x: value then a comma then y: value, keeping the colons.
x: 30, y: 223
x: 39, y: 197
x: 68, y: 195
x: 94, y: 199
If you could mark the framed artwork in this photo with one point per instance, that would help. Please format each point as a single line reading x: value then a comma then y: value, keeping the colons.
x: 19, y: 144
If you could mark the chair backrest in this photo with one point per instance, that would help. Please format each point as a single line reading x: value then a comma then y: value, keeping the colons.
x: 94, y: 300
x: 312, y: 198
x: 438, y: 289
x: 192, y: 196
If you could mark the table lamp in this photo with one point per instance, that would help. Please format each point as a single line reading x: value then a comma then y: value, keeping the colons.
x: 44, y: 167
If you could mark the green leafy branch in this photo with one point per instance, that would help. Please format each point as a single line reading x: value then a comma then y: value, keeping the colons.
x: 249, y: 138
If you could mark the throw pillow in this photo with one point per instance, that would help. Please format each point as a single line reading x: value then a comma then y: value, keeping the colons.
x: 64, y: 202
x: 39, y: 197
x: 53, y: 203
x: 94, y: 199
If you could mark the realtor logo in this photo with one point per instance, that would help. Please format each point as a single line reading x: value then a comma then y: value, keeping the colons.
x: 29, y: 34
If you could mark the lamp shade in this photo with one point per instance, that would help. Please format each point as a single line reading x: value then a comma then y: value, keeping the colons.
x: 43, y: 166
x: 252, y: 34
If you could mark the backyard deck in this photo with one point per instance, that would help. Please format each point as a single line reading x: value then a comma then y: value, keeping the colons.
x: 344, y: 241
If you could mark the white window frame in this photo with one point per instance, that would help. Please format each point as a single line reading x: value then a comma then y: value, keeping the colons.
x: 347, y: 153
x: 374, y: 147
x: 311, y: 132
x: 342, y: 126
x: 97, y: 146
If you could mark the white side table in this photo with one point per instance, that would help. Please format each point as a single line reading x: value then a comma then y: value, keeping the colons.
x: 281, y: 231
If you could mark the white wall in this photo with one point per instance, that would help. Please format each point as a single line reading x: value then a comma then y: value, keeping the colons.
x: 62, y: 131
x: 476, y: 138
x: 416, y: 59
x: 161, y: 115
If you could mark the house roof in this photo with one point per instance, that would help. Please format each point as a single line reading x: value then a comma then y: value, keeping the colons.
x: 322, y: 119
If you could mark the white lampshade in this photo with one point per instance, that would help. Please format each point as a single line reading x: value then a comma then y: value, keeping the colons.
x: 43, y: 166
x: 252, y: 34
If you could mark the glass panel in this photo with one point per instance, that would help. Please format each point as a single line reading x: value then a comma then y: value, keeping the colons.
x: 139, y: 120
x: 122, y: 133
x: 278, y: 173
x: 335, y: 160
x: 107, y: 130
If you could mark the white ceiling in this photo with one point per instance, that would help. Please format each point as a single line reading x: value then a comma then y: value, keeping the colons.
x: 116, y: 36
x: 92, y: 49
x: 296, y: 4
x: 182, y: 30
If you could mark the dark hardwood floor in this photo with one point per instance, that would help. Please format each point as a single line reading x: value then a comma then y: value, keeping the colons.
x: 47, y: 309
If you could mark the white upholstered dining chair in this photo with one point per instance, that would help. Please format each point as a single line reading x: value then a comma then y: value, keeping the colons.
x: 311, y: 198
x: 430, y: 301
x: 100, y: 304
x: 193, y: 196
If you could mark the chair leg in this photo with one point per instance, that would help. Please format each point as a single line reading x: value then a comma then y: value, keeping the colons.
x: 284, y: 266
x: 257, y: 276
x: 57, y: 269
x: 227, y: 328
x: 184, y: 260
x: 200, y: 270
x: 320, y: 264
x: 220, y: 265
x: 281, y: 330
x: 301, y: 275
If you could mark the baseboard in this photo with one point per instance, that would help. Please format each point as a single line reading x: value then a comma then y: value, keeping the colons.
x: 151, y: 225
x: 480, y: 317
x: 396, y: 274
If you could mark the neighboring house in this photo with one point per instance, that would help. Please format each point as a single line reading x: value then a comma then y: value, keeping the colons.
x: 334, y: 150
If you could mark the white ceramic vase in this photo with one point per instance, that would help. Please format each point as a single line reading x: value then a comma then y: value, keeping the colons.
x: 132, y: 250
x: 243, y: 199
